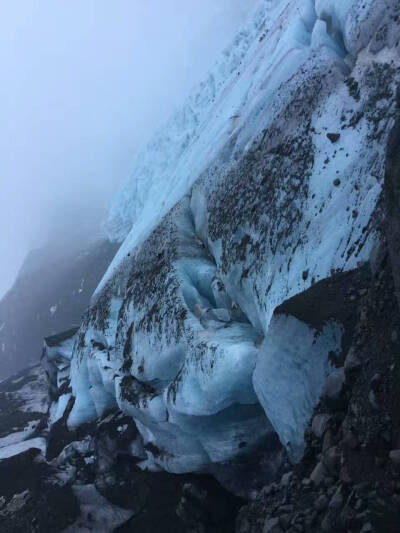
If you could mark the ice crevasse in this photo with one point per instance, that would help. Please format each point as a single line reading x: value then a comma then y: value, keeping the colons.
x: 264, y: 184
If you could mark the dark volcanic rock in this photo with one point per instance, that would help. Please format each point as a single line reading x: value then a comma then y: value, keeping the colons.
x: 50, y: 294
x: 333, y: 391
x: 280, y: 224
x: 34, y: 499
x: 353, y: 464
x: 333, y: 137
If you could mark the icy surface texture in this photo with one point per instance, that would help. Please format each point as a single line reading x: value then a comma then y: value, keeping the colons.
x: 293, y: 353
x: 266, y: 182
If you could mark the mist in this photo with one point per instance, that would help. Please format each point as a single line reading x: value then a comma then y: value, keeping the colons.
x: 82, y: 87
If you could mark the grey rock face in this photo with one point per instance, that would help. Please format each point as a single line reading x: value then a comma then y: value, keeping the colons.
x: 50, y: 295
x: 359, y: 490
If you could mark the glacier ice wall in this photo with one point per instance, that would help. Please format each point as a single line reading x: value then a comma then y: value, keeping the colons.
x: 293, y: 353
x: 267, y: 182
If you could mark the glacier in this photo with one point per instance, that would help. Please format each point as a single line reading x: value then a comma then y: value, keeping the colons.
x: 265, y: 184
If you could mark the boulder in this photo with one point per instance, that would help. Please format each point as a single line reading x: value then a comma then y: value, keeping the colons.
x: 333, y: 391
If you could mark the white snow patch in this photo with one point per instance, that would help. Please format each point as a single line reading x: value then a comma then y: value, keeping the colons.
x: 19, y: 436
x: 15, y: 449
x: 97, y: 513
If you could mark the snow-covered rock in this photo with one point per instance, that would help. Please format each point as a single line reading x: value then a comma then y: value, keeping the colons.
x: 51, y: 292
x: 267, y: 182
x: 23, y: 408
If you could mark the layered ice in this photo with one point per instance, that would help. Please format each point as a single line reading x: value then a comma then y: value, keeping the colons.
x: 266, y: 182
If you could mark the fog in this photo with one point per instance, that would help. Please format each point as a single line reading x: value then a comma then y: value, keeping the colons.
x: 82, y: 86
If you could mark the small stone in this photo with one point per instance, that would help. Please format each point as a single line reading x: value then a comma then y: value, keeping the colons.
x: 286, y: 479
x: 328, y: 441
x: 320, y: 424
x: 310, y: 519
x: 337, y: 499
x: 352, y: 363
x: 319, y: 474
x: 372, y: 399
x: 386, y: 436
x: 344, y: 475
x: 284, y: 521
x: 321, y: 503
x: 333, y: 391
x: 367, y: 528
x: 267, y: 490
x: 331, y: 460
x: 361, y: 488
x: 336, y: 182
x: 396, y: 499
x: 359, y: 505
x: 376, y: 382
x: 326, y: 524
x: 272, y: 526
x: 305, y: 274
x: 331, y: 491
x: 350, y: 439
x: 333, y: 137
x: 286, y: 509
x: 395, y: 457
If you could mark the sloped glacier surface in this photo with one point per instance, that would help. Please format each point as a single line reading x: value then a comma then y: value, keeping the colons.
x: 267, y: 182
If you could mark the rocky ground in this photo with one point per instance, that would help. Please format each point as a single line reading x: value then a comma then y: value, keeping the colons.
x: 349, y: 477
x: 302, y: 225
x: 348, y: 480
x: 88, y: 480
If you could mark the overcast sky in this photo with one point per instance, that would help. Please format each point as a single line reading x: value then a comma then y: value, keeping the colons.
x: 83, y: 83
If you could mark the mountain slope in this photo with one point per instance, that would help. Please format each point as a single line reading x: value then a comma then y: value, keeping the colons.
x: 248, y: 326
x: 183, y: 334
x: 51, y: 292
